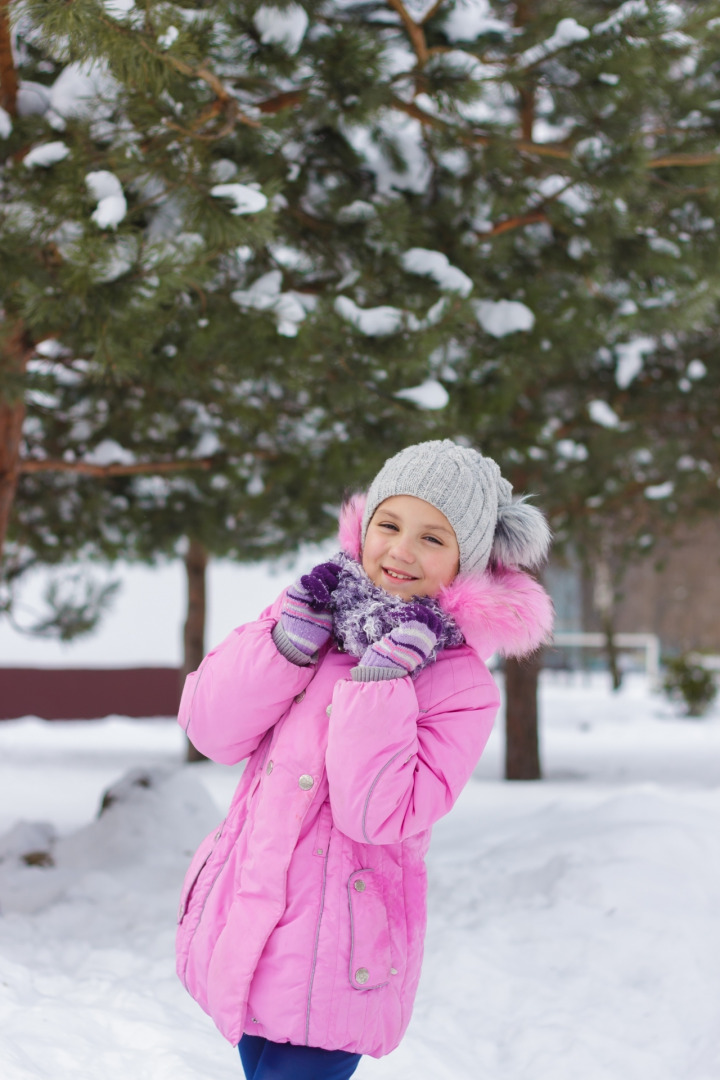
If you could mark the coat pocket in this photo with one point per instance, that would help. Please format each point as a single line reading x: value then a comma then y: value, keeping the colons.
x: 197, y: 864
x: 370, y: 954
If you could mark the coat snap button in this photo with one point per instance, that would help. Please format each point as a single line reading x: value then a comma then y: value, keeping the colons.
x: 393, y: 971
x: 329, y: 710
x: 269, y: 767
x: 305, y: 782
x: 299, y: 697
x: 362, y: 975
x: 359, y: 885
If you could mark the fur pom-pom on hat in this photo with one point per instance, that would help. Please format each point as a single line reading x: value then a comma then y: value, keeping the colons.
x: 522, y: 535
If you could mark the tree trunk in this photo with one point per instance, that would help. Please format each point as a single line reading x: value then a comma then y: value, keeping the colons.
x: 8, y: 74
x: 522, y: 754
x: 611, y: 650
x: 604, y: 600
x: 524, y: 12
x: 11, y: 421
x: 196, y: 562
x: 13, y: 362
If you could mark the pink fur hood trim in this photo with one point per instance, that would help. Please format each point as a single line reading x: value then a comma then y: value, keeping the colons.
x: 502, y: 610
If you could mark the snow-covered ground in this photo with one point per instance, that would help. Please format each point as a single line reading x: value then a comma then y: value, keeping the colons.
x: 573, y: 930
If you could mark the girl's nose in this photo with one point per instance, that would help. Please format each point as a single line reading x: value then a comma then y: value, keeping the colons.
x: 402, y: 550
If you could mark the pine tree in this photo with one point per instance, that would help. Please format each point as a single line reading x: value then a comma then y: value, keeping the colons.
x: 605, y: 209
x: 158, y: 286
x: 512, y: 206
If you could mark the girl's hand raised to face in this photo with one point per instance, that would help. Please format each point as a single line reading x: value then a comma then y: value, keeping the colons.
x: 305, y: 623
x: 320, y: 583
x: 404, y: 648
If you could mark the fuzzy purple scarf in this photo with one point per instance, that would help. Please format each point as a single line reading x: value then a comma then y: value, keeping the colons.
x: 363, y: 612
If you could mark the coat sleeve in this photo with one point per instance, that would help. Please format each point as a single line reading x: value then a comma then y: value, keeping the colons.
x: 394, y: 770
x: 241, y: 689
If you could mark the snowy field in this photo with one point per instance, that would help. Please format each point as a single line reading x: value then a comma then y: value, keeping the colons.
x: 574, y: 929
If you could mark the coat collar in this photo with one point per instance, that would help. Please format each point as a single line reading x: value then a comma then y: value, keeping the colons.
x: 501, y: 610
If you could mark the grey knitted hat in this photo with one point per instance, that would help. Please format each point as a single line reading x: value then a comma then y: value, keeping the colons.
x: 477, y: 501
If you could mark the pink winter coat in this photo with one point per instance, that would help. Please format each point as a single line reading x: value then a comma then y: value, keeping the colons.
x: 302, y: 916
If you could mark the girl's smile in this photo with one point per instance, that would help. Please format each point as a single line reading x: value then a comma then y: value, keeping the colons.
x: 410, y: 548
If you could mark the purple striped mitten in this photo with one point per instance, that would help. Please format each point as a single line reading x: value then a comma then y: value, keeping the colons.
x: 401, y: 651
x: 305, y: 623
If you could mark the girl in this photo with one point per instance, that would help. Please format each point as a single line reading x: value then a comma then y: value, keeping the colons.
x: 363, y: 704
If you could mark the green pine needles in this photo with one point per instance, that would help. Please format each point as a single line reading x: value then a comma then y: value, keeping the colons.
x: 248, y: 250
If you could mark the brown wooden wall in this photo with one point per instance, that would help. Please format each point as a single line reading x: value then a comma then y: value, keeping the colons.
x: 88, y: 693
x: 680, y: 600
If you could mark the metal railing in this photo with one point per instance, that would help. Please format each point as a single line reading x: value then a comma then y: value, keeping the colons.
x: 649, y: 643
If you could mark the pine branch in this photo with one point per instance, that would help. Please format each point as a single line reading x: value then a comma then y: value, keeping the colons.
x: 228, y: 102
x: 8, y: 74
x: 532, y: 217
x: 278, y: 102
x: 527, y: 146
x: 417, y: 113
x: 292, y: 98
x: 316, y: 224
x: 215, y: 84
x: 672, y: 161
x: 551, y: 150
x: 202, y: 72
x: 546, y: 56
x: 87, y: 468
x: 431, y: 12
x: 193, y: 133
x: 514, y: 223
x: 415, y: 32
x: 522, y: 145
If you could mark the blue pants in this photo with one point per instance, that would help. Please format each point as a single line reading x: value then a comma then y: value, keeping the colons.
x: 265, y: 1060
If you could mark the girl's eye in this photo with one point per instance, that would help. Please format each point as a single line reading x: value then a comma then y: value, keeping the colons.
x: 435, y: 540
x: 387, y: 525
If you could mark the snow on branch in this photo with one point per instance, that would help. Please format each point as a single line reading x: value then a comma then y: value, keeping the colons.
x: 428, y: 395
x: 567, y: 32
x: 375, y: 322
x: 265, y: 294
x: 436, y: 265
x: 468, y: 21
x: 285, y: 26
x: 46, y: 154
x: 5, y: 124
x: 105, y: 187
x: 246, y: 199
x: 601, y: 413
x: 630, y: 359
x: 502, y: 317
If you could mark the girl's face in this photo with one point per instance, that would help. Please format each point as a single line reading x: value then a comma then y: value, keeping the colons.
x: 410, y: 548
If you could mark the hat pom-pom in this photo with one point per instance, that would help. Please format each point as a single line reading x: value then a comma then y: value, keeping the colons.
x: 522, y: 535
